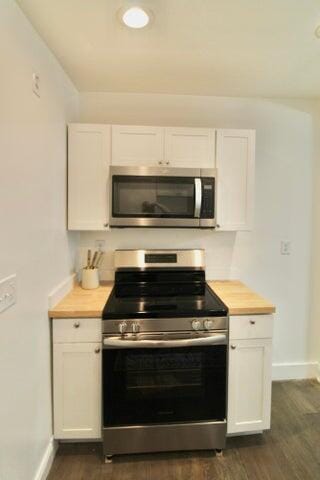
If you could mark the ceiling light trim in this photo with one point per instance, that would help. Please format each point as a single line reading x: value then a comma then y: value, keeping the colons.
x: 133, y: 21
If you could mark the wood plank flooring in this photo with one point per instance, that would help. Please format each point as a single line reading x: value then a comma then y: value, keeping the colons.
x: 289, y: 451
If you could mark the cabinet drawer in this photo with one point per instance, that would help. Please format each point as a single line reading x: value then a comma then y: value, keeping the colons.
x: 76, y: 330
x: 250, y: 326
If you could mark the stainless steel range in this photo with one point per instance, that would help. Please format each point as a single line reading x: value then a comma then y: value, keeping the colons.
x: 165, y: 336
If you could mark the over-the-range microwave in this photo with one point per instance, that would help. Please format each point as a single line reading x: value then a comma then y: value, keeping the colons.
x: 162, y: 197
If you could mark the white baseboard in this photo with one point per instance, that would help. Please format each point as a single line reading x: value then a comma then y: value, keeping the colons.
x: 61, y: 290
x: 295, y: 371
x: 47, y: 460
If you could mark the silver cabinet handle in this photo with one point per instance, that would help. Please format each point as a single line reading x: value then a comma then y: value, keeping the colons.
x: 253, y: 322
x: 97, y: 350
x: 197, y: 198
x: 233, y: 347
x: 76, y: 324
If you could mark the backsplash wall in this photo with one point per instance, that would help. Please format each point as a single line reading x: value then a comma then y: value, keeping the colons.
x: 283, y: 201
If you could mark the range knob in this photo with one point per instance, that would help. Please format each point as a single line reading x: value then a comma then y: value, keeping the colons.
x: 208, y: 324
x: 123, y: 327
x: 196, y: 324
x: 135, y: 327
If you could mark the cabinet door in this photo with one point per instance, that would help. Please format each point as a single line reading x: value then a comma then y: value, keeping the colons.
x: 249, y: 385
x: 235, y: 190
x: 137, y: 145
x: 190, y: 147
x: 77, y: 390
x: 88, y: 168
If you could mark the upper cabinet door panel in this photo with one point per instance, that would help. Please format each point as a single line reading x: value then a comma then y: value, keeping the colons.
x: 190, y: 147
x: 235, y: 191
x: 137, y: 145
x: 88, y: 168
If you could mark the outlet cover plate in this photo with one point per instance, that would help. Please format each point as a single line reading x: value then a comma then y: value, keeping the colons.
x: 8, y: 292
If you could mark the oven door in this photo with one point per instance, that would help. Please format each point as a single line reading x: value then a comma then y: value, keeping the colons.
x: 157, y: 379
x: 155, y: 197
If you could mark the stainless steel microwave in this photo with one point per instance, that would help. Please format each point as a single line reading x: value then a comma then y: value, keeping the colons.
x: 162, y: 197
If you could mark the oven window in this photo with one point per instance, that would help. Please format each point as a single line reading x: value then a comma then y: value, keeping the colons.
x: 152, y: 197
x: 144, y: 386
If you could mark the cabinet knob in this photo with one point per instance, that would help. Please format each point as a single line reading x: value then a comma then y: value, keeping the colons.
x: 160, y: 162
x: 106, y: 224
x: 233, y: 347
x: 76, y: 324
x: 167, y: 163
x: 217, y: 226
x: 253, y: 322
x: 97, y: 350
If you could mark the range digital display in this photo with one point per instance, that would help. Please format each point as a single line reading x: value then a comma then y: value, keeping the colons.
x: 160, y: 258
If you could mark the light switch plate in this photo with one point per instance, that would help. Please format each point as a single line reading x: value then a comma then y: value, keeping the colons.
x: 8, y: 292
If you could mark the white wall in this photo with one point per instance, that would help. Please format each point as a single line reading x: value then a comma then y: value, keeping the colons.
x: 33, y: 239
x: 283, y: 200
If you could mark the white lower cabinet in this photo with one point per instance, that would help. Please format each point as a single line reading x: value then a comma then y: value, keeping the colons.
x: 249, y: 382
x: 77, y: 390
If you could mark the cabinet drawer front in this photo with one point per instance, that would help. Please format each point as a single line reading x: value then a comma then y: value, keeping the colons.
x: 251, y: 326
x: 76, y: 330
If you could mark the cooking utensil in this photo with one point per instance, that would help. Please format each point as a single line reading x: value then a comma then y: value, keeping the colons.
x: 94, y: 260
x: 88, y: 258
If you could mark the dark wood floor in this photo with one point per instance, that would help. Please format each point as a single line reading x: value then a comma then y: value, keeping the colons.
x: 290, y: 451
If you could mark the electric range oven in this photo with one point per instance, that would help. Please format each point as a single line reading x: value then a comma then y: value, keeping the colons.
x: 165, y: 336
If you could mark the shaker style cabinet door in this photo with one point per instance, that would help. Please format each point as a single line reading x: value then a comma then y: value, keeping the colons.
x: 137, y: 146
x: 235, y: 161
x: 77, y: 390
x: 249, y: 385
x: 88, y: 169
x: 190, y: 147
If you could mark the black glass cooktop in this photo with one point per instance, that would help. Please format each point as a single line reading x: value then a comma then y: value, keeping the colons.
x: 166, y: 295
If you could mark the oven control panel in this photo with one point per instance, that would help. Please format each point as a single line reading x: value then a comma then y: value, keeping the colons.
x: 139, y: 325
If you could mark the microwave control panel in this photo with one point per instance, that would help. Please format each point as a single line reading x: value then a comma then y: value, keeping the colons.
x: 207, y: 205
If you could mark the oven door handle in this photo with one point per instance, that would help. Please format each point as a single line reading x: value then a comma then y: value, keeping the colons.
x: 120, y: 342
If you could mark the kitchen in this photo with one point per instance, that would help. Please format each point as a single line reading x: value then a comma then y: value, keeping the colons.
x: 273, y: 253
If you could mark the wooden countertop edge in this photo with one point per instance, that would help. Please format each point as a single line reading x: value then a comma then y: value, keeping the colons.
x: 256, y: 306
x: 97, y: 314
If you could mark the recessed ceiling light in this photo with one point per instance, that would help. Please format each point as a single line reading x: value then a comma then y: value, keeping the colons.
x: 135, y: 17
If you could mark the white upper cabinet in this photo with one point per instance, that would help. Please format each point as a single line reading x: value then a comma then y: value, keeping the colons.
x: 137, y: 145
x: 88, y: 168
x: 235, y: 160
x: 190, y: 147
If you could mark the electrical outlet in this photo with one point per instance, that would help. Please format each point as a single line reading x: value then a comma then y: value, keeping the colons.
x: 36, y: 84
x: 8, y: 292
x: 285, y: 247
x: 100, y: 244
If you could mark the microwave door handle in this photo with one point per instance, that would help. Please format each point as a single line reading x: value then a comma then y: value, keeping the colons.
x: 119, y: 342
x: 197, y: 197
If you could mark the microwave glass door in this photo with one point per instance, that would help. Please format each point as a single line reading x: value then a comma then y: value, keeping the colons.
x: 153, y: 196
x: 147, y: 386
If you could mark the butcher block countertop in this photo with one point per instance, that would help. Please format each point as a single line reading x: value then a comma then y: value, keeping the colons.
x: 240, y: 300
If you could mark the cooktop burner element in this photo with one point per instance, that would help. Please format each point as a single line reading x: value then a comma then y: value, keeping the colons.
x: 161, y: 284
x: 193, y: 305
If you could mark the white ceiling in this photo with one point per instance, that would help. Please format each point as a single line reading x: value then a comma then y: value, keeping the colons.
x: 203, y: 47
